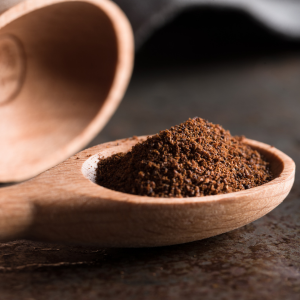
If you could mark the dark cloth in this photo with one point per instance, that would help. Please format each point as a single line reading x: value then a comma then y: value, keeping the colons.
x: 146, y: 16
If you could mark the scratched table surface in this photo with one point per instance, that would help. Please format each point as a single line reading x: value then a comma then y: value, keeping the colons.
x: 242, y: 77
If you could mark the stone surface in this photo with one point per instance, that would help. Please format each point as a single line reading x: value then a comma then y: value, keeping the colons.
x: 255, y: 95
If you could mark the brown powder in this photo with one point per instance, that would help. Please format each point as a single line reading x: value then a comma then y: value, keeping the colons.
x: 193, y: 159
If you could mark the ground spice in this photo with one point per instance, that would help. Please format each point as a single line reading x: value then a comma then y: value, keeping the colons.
x: 193, y: 159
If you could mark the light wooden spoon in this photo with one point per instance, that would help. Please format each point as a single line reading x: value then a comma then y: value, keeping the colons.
x: 65, y: 205
x: 64, y: 68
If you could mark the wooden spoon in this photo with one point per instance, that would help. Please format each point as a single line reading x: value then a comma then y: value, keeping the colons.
x: 65, y: 205
x: 64, y: 68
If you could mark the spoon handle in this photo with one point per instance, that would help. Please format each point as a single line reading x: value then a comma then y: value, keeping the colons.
x: 59, y: 205
x: 16, y: 211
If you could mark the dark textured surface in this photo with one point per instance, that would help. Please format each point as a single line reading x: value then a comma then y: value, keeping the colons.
x: 255, y: 95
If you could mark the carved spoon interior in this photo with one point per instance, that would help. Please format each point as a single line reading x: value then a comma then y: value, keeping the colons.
x: 64, y: 204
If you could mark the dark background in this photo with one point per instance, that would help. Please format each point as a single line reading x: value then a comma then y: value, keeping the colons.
x: 220, y: 65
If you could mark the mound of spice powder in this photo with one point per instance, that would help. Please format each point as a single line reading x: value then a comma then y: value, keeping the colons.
x: 193, y: 159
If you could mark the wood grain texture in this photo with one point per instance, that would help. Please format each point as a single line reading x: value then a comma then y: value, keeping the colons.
x: 70, y: 64
x: 64, y: 205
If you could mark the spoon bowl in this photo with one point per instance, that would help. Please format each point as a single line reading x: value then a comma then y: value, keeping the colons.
x: 64, y: 204
x: 64, y: 68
